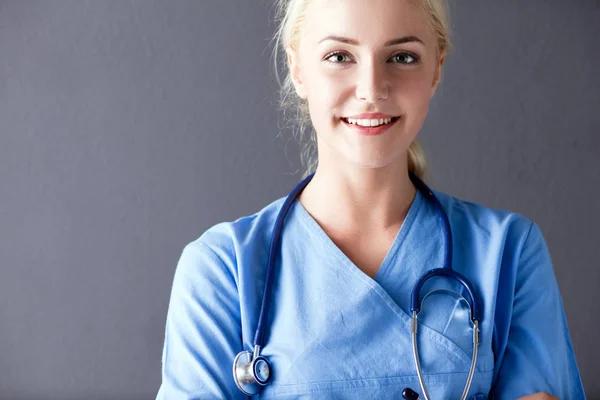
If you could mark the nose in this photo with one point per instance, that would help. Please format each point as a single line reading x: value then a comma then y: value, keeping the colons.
x: 371, y: 85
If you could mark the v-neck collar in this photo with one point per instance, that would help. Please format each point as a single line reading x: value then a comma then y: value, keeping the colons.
x: 385, y: 266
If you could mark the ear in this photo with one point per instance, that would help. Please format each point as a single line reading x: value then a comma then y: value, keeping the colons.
x: 296, y: 72
x: 437, y: 76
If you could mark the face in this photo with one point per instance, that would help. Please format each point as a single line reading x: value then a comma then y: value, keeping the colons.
x: 358, y: 62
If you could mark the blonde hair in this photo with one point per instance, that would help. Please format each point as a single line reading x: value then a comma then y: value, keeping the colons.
x: 290, y: 15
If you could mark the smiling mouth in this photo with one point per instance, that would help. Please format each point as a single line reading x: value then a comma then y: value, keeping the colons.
x: 370, y: 123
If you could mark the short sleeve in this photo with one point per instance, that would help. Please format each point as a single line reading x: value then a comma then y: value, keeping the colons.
x: 538, y: 356
x: 203, y: 329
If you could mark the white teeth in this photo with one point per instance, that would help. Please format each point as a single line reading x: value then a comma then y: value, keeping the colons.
x: 369, y: 122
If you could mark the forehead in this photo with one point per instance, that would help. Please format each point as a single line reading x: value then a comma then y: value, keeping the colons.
x: 368, y: 21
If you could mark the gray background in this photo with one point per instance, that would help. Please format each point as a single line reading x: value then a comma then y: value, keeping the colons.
x: 127, y: 128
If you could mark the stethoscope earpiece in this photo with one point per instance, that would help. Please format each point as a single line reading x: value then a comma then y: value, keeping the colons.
x: 251, y: 373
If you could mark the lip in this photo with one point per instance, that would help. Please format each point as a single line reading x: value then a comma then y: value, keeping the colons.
x: 371, y: 131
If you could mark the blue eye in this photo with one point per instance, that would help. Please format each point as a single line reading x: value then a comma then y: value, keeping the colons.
x: 405, y: 58
x: 337, y: 58
x: 400, y: 58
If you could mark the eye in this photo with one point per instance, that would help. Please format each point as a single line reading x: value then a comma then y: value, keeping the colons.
x: 405, y: 58
x: 337, y: 58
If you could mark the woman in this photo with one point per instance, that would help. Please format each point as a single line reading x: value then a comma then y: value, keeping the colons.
x: 359, y: 236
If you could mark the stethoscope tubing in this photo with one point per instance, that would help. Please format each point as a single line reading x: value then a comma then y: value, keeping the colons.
x: 250, y: 385
x: 259, y: 337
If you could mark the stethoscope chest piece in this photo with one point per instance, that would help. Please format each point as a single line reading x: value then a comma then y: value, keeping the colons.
x: 251, y: 373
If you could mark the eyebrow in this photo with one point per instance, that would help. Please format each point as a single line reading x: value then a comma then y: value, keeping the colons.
x: 402, y: 40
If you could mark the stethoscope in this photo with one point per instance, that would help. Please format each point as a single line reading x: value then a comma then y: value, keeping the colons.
x: 252, y: 372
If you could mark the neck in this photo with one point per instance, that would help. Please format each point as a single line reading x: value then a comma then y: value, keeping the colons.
x: 357, y: 199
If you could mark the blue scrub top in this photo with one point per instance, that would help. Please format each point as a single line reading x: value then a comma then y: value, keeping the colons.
x: 333, y: 332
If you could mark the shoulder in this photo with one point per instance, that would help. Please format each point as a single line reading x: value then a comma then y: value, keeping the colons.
x: 226, y: 241
x: 500, y: 226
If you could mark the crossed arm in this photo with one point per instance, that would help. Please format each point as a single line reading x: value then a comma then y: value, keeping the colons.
x: 539, y: 396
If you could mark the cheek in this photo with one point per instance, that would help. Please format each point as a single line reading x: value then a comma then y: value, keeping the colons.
x: 327, y: 91
x: 413, y: 84
x: 413, y: 93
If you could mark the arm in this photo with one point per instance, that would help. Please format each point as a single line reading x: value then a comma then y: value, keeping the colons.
x: 539, y: 396
x: 538, y: 355
x: 203, y: 329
